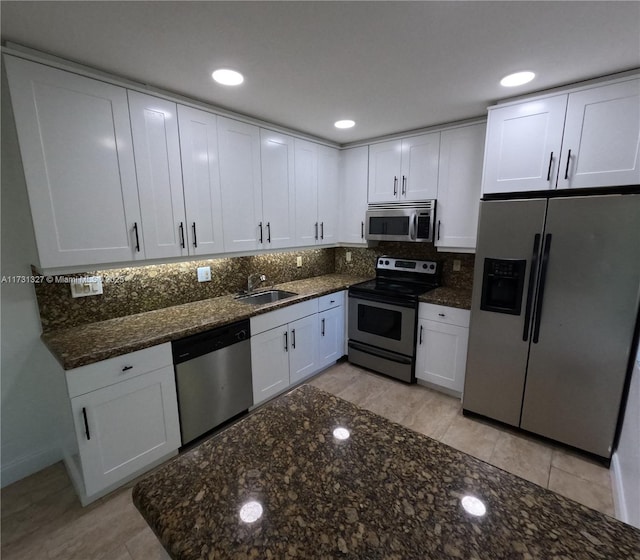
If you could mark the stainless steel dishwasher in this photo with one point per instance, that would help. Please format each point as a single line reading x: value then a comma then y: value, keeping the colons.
x: 213, y: 378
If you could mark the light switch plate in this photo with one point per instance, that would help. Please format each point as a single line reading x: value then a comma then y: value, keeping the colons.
x: 86, y: 286
x: 298, y: 262
x: 456, y: 265
x: 348, y: 256
x: 204, y: 274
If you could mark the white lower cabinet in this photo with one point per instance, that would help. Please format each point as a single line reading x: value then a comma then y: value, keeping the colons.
x: 125, y: 418
x: 330, y: 329
x: 441, y: 354
x: 290, y: 344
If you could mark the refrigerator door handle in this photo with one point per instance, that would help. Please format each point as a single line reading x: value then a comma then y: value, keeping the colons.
x: 543, y: 280
x: 530, y: 290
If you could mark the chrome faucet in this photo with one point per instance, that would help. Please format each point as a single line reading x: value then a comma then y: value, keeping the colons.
x: 254, y: 280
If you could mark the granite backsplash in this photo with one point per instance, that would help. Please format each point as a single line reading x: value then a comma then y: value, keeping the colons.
x: 145, y: 288
x: 363, y: 261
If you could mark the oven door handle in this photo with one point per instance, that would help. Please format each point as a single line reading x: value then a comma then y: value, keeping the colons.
x: 382, y: 299
x: 379, y: 353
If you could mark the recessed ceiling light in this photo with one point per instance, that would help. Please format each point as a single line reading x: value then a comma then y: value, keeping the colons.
x: 344, y: 124
x: 227, y: 77
x: 517, y: 79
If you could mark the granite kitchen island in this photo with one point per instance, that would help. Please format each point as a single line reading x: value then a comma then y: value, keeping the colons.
x: 312, y: 476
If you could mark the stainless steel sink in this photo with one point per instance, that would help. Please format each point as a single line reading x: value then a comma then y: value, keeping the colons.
x: 269, y: 296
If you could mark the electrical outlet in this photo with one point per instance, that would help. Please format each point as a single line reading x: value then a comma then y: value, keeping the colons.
x: 86, y: 286
x: 456, y: 265
x: 299, y: 262
x: 348, y: 256
x: 204, y: 274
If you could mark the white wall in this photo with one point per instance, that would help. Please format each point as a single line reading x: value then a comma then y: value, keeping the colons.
x: 625, y: 465
x: 33, y: 410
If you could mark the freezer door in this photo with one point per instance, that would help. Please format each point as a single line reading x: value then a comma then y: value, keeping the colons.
x: 497, y: 356
x: 577, y: 369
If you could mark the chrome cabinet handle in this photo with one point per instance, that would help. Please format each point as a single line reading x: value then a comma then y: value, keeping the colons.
x: 395, y: 185
x: 261, y: 236
x: 195, y: 237
x: 181, y: 228
x: 322, y: 329
x: 404, y: 185
x: 86, y: 423
x: 566, y: 171
x: 268, y: 232
x: 321, y: 230
x: 135, y: 229
x: 293, y: 338
x: 361, y: 230
x: 316, y: 231
x: 549, y: 170
x: 286, y: 341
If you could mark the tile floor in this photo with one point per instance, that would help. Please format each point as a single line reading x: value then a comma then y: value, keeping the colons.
x: 43, y: 520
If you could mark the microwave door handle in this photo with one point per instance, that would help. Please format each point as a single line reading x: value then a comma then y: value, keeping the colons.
x: 414, y: 227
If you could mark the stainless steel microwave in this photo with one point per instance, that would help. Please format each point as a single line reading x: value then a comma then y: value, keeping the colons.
x: 400, y: 221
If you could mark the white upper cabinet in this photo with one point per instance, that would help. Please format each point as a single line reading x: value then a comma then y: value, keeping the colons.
x: 278, y: 190
x: 404, y: 170
x: 354, y: 168
x: 75, y: 140
x: 384, y: 171
x: 328, y: 205
x: 601, y: 143
x: 419, y: 174
x: 154, y: 126
x: 459, y: 187
x: 586, y: 138
x: 306, y: 180
x: 202, y: 232
x: 523, y: 146
x: 240, y: 181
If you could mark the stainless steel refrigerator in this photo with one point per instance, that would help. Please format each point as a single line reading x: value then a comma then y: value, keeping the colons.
x: 554, y: 314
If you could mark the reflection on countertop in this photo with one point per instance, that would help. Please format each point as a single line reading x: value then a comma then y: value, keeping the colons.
x: 312, y: 476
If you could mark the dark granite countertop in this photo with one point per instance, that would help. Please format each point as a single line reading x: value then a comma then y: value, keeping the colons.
x: 279, y: 484
x: 451, y: 297
x: 122, y: 335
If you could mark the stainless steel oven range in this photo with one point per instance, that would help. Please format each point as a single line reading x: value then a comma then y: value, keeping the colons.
x: 383, y: 315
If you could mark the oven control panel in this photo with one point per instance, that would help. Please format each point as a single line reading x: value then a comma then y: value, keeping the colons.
x: 407, y: 265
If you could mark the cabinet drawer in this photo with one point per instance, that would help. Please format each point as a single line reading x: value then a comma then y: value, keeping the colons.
x: 443, y: 314
x: 107, y: 372
x: 330, y: 300
x: 266, y: 321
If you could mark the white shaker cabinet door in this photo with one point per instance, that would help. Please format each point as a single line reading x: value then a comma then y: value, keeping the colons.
x: 419, y: 171
x: 384, y: 171
x: 601, y: 145
x: 278, y: 189
x: 302, y: 348
x: 459, y: 186
x: 154, y: 126
x: 201, y: 177
x: 269, y: 363
x: 240, y: 180
x: 75, y: 140
x: 523, y: 144
x: 330, y: 336
x: 124, y: 427
x: 354, y: 169
x: 328, y: 205
x: 306, y: 178
x: 441, y: 354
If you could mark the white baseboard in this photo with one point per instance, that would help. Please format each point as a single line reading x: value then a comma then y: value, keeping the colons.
x: 28, y: 464
x: 619, y: 503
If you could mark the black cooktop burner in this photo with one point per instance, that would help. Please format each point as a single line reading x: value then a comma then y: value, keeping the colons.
x: 404, y: 279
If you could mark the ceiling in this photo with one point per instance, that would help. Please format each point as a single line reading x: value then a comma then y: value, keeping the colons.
x: 390, y: 66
